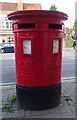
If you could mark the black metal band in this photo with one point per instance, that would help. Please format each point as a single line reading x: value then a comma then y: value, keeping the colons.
x: 39, y: 97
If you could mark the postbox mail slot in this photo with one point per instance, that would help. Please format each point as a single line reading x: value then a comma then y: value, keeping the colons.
x: 55, y: 26
x: 26, y: 25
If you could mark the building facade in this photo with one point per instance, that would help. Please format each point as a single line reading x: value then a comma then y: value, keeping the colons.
x: 6, y: 34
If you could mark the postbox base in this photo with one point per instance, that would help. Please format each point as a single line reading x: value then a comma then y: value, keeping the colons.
x: 38, y: 98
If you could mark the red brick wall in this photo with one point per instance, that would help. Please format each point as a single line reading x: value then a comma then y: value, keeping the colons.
x: 8, y: 6
x: 4, y: 6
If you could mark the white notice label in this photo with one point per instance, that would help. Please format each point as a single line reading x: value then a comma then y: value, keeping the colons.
x: 55, y: 46
x: 27, y: 46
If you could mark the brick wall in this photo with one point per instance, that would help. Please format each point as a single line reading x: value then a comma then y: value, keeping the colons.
x: 4, y: 6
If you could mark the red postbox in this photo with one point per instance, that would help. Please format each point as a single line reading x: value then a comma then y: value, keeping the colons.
x: 38, y: 38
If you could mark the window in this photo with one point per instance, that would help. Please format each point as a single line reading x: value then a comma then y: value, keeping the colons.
x: 0, y: 24
x: 55, y: 46
x: 3, y: 39
x: 10, y: 39
x: 27, y: 46
x: 5, y: 23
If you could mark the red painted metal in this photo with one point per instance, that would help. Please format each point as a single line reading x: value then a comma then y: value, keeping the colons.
x: 41, y: 67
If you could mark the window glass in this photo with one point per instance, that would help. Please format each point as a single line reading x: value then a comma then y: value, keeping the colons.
x: 0, y: 24
x: 3, y: 24
x: 7, y: 25
x: 27, y: 46
x: 55, y: 46
x: 10, y: 25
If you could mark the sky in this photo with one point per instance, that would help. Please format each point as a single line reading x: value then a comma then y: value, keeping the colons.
x: 66, y: 6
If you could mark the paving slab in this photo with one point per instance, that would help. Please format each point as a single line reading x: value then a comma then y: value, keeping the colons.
x: 66, y: 109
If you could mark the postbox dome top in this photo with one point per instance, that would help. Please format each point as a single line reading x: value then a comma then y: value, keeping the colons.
x: 37, y: 13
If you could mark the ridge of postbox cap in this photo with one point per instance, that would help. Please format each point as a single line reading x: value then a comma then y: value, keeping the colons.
x: 25, y: 13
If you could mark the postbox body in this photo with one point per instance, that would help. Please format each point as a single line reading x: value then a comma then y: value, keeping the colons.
x: 38, y: 47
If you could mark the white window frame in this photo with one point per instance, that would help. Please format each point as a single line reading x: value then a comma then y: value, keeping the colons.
x: 3, y: 21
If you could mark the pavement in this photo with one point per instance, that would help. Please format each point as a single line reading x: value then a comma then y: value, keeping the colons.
x: 66, y: 109
x: 69, y: 49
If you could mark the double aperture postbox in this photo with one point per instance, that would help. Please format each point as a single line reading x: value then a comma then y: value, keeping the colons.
x: 38, y: 38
